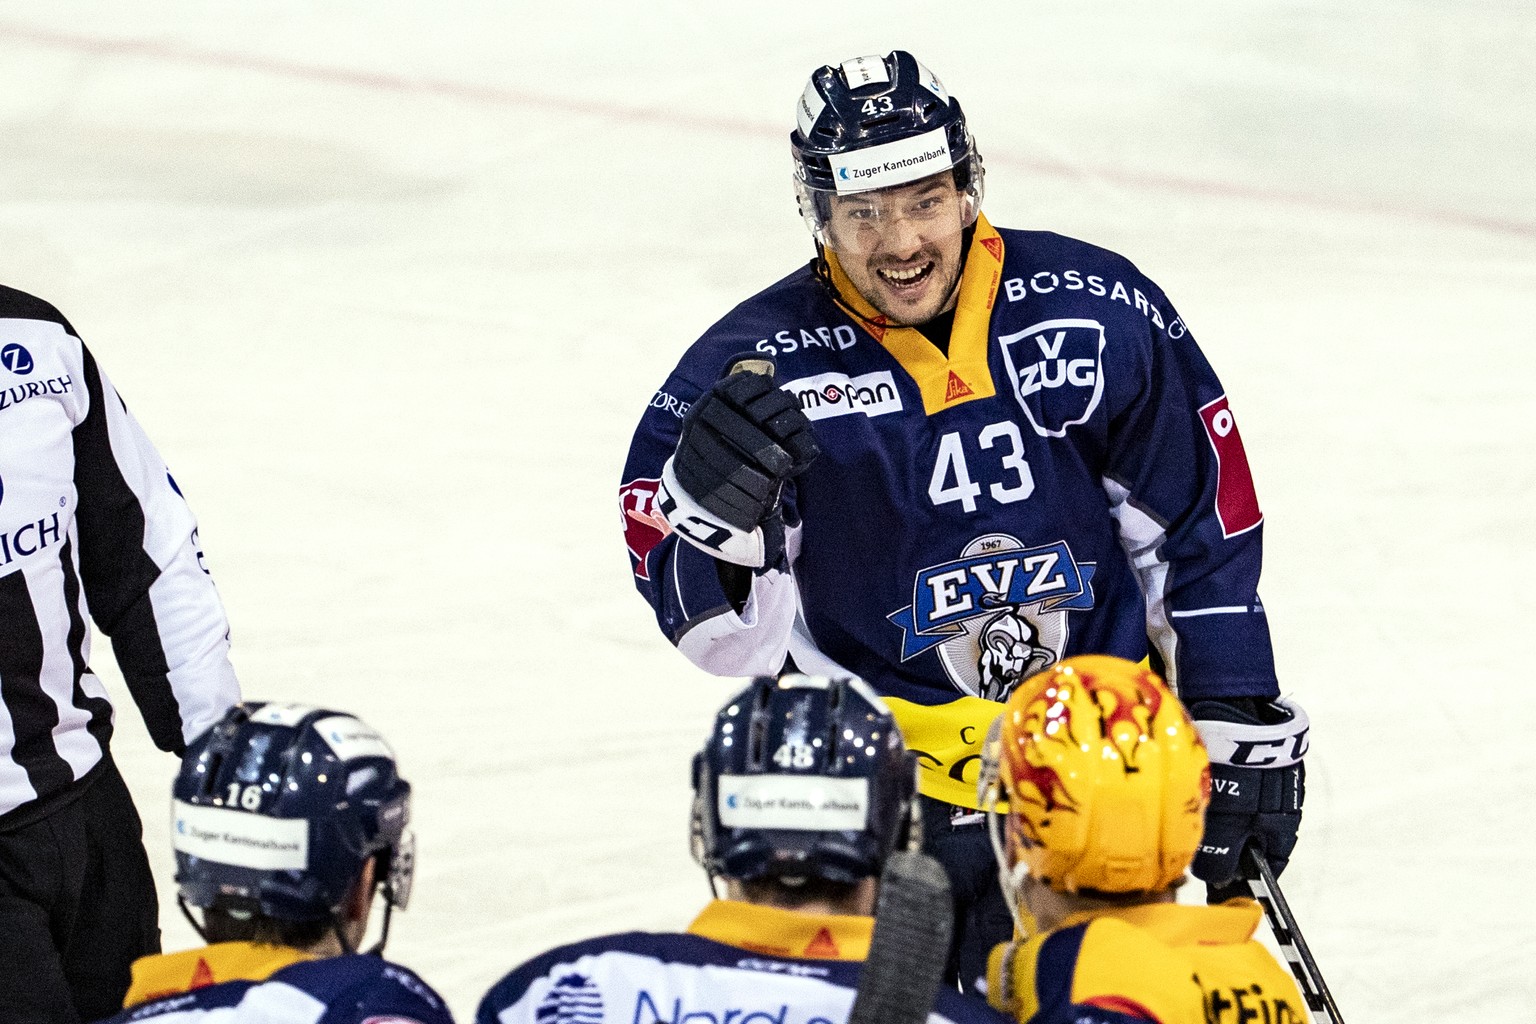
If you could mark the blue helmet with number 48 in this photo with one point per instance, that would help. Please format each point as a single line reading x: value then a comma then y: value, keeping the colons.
x: 278, y: 806
x: 802, y: 777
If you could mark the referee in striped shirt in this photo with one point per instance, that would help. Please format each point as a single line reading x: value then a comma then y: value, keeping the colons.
x: 90, y: 524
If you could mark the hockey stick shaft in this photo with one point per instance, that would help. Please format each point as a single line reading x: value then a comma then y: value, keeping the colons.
x: 1283, y: 924
x: 910, y: 945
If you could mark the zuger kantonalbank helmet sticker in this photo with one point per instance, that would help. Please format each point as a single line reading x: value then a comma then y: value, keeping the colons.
x: 997, y: 614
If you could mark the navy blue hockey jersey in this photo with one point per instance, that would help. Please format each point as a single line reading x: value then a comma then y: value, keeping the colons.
x: 738, y: 963
x: 1068, y: 478
x: 251, y: 983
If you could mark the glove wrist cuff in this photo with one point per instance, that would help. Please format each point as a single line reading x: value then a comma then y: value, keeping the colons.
x: 1252, y: 745
x: 694, y: 524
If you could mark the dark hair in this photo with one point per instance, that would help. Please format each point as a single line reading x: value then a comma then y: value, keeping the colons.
x: 794, y: 893
x: 221, y: 924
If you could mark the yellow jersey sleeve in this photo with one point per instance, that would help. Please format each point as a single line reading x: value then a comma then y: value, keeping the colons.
x: 1108, y: 971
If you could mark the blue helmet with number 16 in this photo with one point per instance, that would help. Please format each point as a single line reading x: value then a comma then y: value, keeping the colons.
x: 802, y: 777
x: 278, y: 806
x: 876, y: 122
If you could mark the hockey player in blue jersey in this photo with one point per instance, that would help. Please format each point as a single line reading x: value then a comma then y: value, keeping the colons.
x: 288, y: 821
x: 801, y: 792
x: 965, y: 454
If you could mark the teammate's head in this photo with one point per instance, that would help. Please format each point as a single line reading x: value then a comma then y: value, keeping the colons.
x: 1105, y: 777
x: 888, y: 179
x: 287, y: 818
x: 804, y: 784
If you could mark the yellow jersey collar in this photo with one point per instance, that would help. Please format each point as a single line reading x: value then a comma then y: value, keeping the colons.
x: 786, y: 933
x: 170, y: 974
x: 963, y: 375
x: 1180, y: 925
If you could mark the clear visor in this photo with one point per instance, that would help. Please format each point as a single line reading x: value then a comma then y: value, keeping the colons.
x: 896, y: 218
x: 402, y: 870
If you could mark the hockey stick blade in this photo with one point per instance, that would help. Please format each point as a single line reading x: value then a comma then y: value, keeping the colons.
x: 1266, y: 889
x: 910, y: 944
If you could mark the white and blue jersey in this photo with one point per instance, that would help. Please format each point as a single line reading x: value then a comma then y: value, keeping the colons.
x: 737, y: 964
x: 251, y: 983
x: 1066, y: 478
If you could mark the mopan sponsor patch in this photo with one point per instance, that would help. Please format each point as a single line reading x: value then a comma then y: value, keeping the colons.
x: 240, y: 838
x: 836, y: 394
x: 807, y: 802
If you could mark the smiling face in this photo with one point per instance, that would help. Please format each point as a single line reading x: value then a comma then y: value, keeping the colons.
x: 902, y: 246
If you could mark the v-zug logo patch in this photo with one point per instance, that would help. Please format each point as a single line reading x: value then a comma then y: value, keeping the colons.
x: 997, y: 614
x: 1056, y: 368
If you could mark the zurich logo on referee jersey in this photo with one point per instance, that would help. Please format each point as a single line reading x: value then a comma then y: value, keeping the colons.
x: 16, y: 359
x: 1056, y: 371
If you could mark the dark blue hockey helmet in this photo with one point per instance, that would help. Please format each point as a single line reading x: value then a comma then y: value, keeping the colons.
x: 278, y: 806
x: 802, y: 776
x: 876, y: 122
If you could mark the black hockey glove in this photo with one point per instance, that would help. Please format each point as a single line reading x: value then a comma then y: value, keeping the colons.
x: 1258, y: 783
x: 741, y: 441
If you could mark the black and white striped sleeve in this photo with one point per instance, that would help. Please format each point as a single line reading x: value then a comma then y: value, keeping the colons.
x: 142, y: 569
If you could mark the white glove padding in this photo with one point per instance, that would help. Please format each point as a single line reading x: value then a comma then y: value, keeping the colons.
x: 755, y: 549
x: 1255, y: 745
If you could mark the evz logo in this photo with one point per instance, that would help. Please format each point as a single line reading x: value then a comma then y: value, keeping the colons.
x: 997, y: 614
x: 16, y: 359
x: 1057, y: 372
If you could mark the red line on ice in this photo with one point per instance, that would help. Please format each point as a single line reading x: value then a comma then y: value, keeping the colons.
x: 178, y: 53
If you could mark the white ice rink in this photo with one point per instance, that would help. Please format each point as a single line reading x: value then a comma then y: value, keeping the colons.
x: 389, y: 285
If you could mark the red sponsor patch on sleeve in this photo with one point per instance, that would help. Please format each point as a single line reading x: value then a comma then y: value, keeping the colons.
x: 1237, y: 506
x: 644, y: 525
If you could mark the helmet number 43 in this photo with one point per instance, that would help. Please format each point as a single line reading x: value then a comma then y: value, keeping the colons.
x: 878, y: 105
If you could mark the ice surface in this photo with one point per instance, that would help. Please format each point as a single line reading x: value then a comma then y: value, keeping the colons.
x: 389, y: 284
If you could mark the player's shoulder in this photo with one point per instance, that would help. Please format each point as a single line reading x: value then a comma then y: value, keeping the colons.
x: 797, y: 291
x: 792, y: 312
x: 1120, y: 969
x: 959, y: 1009
x: 348, y: 989
x: 589, y: 955
x: 187, y: 1006
x: 579, y: 972
x: 18, y: 305
x: 1093, y: 943
x: 1050, y: 251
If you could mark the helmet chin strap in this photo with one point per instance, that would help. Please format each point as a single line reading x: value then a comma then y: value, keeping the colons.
x: 696, y: 845
x: 186, y: 912
x: 377, y: 949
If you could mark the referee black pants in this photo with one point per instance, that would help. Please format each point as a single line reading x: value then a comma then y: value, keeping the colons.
x: 77, y: 906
